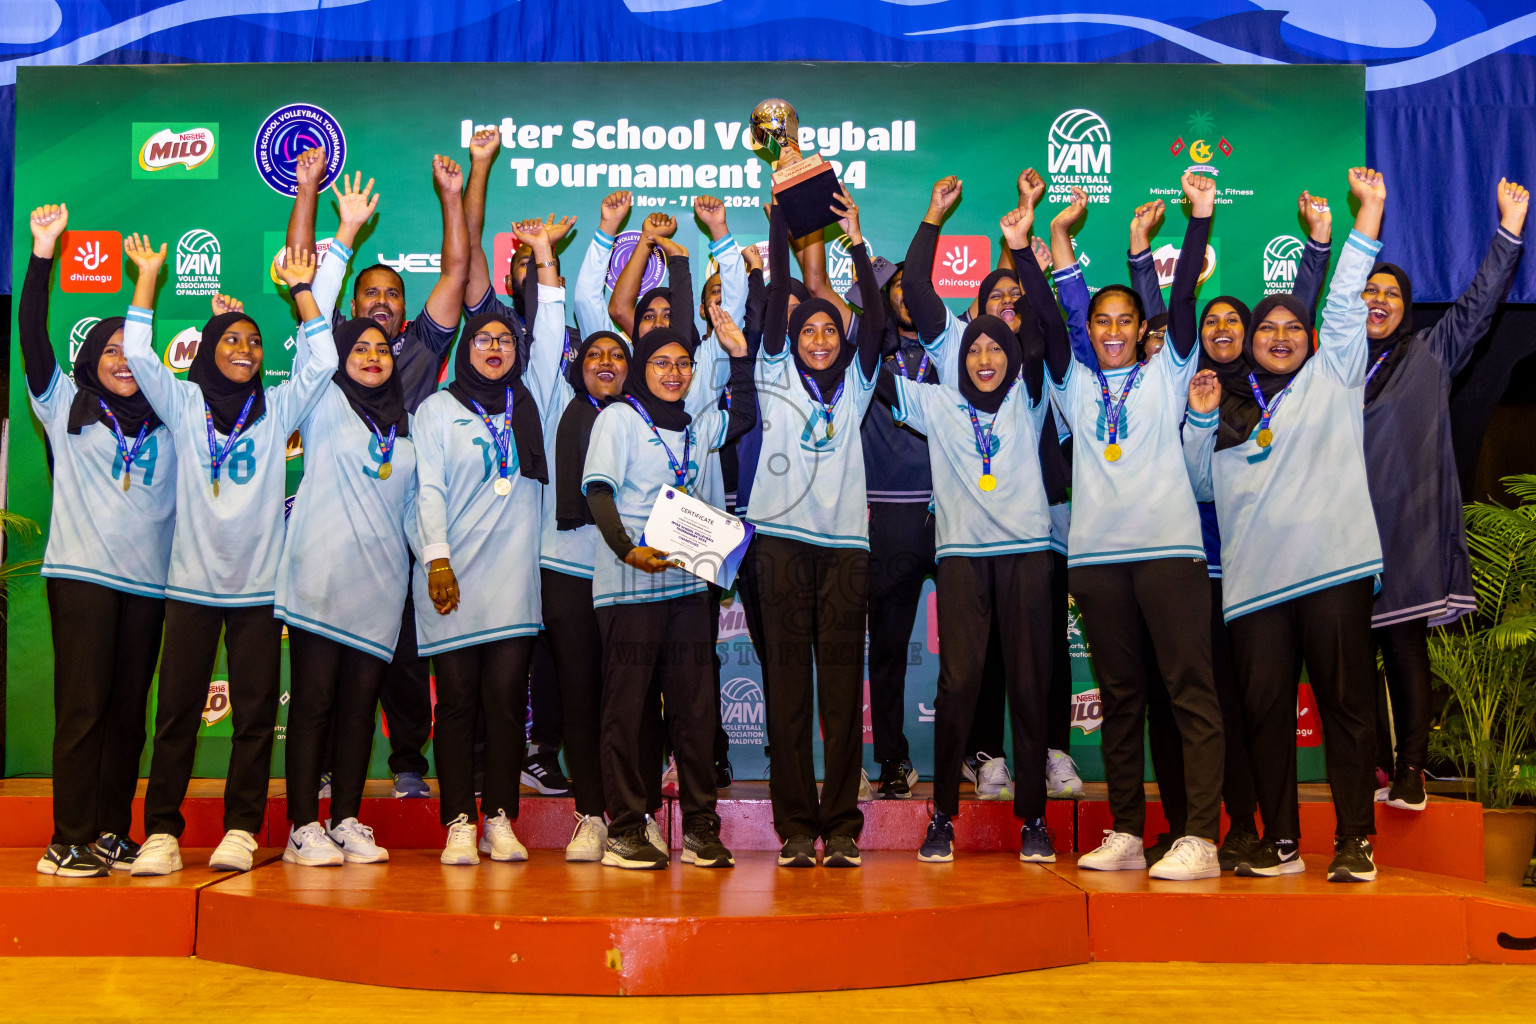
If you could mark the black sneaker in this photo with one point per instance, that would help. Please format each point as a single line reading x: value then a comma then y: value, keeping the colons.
x: 702, y: 847
x: 542, y: 773
x: 841, y: 852
x: 119, y: 852
x: 1352, y: 860
x: 1236, y: 848
x: 1158, y: 850
x: 77, y: 861
x: 1037, y: 843
x: 939, y: 845
x: 1269, y: 858
x: 895, y: 780
x: 798, y: 852
x: 635, y: 852
x: 1407, y: 790
x: 724, y: 776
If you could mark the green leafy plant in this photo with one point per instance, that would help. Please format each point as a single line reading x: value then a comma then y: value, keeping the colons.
x: 17, y: 526
x: 1487, y: 661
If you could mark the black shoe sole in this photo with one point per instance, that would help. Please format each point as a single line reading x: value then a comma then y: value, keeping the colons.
x: 841, y: 860
x: 1346, y: 875
x: 799, y: 860
x: 689, y: 857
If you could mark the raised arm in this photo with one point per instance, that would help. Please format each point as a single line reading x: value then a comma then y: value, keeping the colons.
x: 158, y: 384
x: 1071, y: 290
x: 37, y: 356
x: 930, y: 317
x: 548, y: 341
x: 592, y: 277
x: 443, y: 304
x: 1144, y: 224
x: 1183, y: 319
x: 776, y: 318
x: 1458, y: 332
x: 811, y: 251
x: 743, y: 409
x: 1315, y: 251
x: 757, y: 301
x: 483, y: 147
x: 311, y: 374
x: 871, y: 302
x: 1341, y: 341
x: 356, y: 203
x: 626, y: 290
x: 1017, y: 226
x: 309, y: 170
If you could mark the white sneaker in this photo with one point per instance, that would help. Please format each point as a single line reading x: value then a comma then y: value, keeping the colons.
x: 1120, y: 851
x: 498, y: 840
x: 1189, y: 859
x: 160, y: 855
x: 589, y: 840
x: 993, y: 779
x: 234, y: 851
x: 310, y: 846
x: 460, y: 848
x: 669, y: 778
x: 653, y: 835
x: 356, y: 842
x: 866, y: 791
x: 1061, y: 781
x: 1383, y: 793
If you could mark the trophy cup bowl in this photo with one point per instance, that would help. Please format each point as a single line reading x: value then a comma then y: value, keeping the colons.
x: 803, y: 186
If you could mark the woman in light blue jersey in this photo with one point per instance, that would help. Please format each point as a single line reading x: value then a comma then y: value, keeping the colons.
x: 1286, y: 467
x: 1136, y: 563
x: 342, y: 579
x: 810, y: 557
x: 656, y: 620
x: 231, y: 437
x: 480, y: 476
x: 109, y: 544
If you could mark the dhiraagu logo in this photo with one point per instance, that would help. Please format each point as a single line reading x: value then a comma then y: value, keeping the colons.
x: 175, y: 151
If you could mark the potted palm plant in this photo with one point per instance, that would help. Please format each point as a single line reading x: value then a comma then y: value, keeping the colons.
x: 1487, y: 662
x: 15, y: 525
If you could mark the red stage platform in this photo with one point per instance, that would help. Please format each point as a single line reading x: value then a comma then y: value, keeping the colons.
x: 552, y: 927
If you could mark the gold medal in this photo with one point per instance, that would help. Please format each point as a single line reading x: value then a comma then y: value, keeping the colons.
x: 1112, y: 453
x: 215, y: 487
x: 384, y: 471
x: 125, y: 478
x: 987, y: 482
x: 829, y: 430
x: 502, y: 486
x: 1266, y: 437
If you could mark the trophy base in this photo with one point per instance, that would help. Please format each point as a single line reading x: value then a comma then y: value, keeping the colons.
x: 804, y: 192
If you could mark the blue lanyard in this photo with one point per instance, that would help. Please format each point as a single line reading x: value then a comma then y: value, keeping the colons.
x: 122, y: 442
x: 1112, y: 410
x: 984, y: 441
x: 503, y: 437
x: 679, y: 472
x: 922, y: 366
x: 215, y: 456
x: 826, y: 407
x: 386, y: 446
x: 595, y: 403
x: 1374, y: 367
x: 1266, y: 436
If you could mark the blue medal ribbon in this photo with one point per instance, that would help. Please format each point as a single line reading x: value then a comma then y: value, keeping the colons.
x: 502, y: 438
x: 984, y: 441
x: 826, y: 407
x: 122, y: 442
x: 1113, y: 409
x: 215, y: 456
x: 386, y: 445
x: 1265, y: 435
x: 679, y: 472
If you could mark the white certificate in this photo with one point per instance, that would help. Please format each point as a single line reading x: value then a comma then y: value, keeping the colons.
x: 697, y: 537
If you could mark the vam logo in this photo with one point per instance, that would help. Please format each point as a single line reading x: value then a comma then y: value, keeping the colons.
x: 840, y: 263
x: 197, y: 263
x: 742, y: 713
x: 77, y: 335
x: 1282, y: 262
x: 181, y: 349
x: 1078, y: 143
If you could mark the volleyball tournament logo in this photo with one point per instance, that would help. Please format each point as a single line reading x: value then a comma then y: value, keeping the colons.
x: 623, y: 245
x: 77, y: 335
x: 289, y: 131
x: 742, y: 713
x: 175, y: 152
x: 93, y: 262
x: 961, y: 262
x: 1079, y: 154
x: 1282, y: 262
x: 197, y: 263
x: 1202, y: 128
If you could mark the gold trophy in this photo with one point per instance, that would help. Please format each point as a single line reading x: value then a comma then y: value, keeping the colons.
x: 804, y: 186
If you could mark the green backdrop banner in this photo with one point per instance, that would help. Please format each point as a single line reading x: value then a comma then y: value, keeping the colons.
x: 201, y: 158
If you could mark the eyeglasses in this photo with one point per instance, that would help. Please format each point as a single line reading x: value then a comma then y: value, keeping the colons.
x: 484, y: 342
x: 682, y: 366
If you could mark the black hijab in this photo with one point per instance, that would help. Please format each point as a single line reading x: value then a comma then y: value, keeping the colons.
x: 798, y: 289
x: 1240, y: 414
x: 574, y: 435
x: 1394, y: 343
x: 383, y: 405
x: 225, y: 398
x: 828, y: 379
x: 664, y: 414
x: 470, y: 386
x: 998, y: 330
x: 132, y: 412
x: 645, y: 301
x: 990, y: 281
x: 1236, y: 399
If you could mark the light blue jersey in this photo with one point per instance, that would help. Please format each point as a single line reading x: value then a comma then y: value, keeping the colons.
x: 98, y: 532
x: 1296, y: 517
x: 590, y: 297
x: 1012, y: 518
x: 628, y: 457
x: 1139, y: 506
x: 490, y: 540
x: 810, y: 486
x: 345, y: 565
x: 226, y: 548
